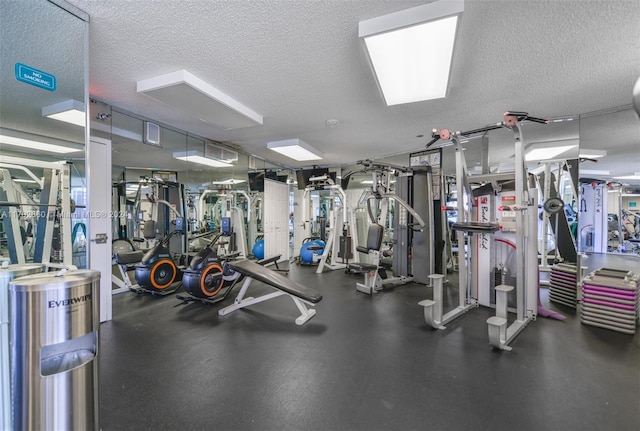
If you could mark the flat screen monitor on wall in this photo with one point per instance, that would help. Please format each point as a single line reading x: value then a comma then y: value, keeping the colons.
x: 303, y: 176
x: 256, y: 179
x: 273, y: 175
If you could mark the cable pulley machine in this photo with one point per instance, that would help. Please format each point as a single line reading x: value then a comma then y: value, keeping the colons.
x: 340, y: 247
x: 523, y: 209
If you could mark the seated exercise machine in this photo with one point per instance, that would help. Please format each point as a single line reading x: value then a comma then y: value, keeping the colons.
x: 126, y: 256
x: 126, y: 260
x: 207, y: 274
x: 411, y: 235
x: 519, y: 218
x: 252, y: 271
x: 157, y: 272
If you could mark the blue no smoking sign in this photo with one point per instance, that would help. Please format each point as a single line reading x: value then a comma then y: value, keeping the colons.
x: 35, y: 77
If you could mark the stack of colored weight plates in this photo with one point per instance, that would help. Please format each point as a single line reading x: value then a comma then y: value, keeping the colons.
x: 611, y: 300
x: 563, y: 284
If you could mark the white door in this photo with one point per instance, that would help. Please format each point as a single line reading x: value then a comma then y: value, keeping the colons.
x: 301, y: 224
x: 276, y: 219
x: 100, y: 224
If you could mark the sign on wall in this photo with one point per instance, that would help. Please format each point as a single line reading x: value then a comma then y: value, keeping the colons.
x: 33, y: 76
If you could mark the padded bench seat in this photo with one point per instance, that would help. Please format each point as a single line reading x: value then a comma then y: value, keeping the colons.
x: 275, y: 279
x: 282, y: 285
x: 129, y: 257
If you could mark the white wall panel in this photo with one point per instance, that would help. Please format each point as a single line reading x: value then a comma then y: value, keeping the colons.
x: 99, y: 192
x: 276, y: 219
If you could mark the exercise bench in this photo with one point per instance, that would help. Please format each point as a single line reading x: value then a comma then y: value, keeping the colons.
x: 272, y: 260
x: 126, y: 262
x: 301, y: 295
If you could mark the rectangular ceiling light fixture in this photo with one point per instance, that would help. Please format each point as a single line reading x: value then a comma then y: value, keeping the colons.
x: 635, y: 176
x: 190, y: 94
x: 548, y: 153
x: 295, y: 149
x: 594, y: 172
x: 591, y: 154
x: 228, y: 182
x: 30, y: 144
x: 69, y: 111
x: 195, y: 156
x: 411, y: 50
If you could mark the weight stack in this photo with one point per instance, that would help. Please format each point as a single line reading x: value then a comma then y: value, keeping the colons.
x: 610, y: 299
x: 563, y: 287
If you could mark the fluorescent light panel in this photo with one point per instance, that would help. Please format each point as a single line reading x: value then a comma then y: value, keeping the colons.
x: 591, y: 154
x: 593, y: 172
x: 70, y: 111
x: 411, y: 50
x: 190, y: 94
x: 547, y: 153
x: 635, y: 176
x: 197, y: 157
x: 230, y: 181
x: 295, y: 149
x: 36, y: 145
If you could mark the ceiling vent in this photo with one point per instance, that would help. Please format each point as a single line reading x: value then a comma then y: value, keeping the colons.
x: 219, y: 153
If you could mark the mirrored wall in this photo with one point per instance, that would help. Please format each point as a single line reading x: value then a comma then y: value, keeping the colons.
x: 42, y: 133
x: 609, y: 207
x: 166, y: 180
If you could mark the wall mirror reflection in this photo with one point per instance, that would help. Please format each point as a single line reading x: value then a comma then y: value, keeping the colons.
x: 42, y: 135
x: 609, y: 206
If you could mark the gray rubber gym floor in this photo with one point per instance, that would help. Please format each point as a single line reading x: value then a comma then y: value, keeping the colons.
x: 362, y: 363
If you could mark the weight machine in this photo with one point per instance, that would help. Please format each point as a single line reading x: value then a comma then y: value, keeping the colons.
x: 51, y: 215
x: 338, y: 250
x: 553, y: 176
x: 156, y: 206
x: 232, y: 223
x: 619, y: 227
x: 592, y: 220
x: 409, y: 244
x: 477, y: 222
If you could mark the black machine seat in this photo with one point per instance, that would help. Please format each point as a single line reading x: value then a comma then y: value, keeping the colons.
x: 386, y: 262
x: 374, y: 238
x: 129, y: 257
x: 149, y: 229
x: 476, y: 227
x: 374, y: 242
x: 357, y: 268
x: 276, y: 279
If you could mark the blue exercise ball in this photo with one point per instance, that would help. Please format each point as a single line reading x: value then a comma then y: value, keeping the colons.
x: 258, y: 249
x: 306, y: 255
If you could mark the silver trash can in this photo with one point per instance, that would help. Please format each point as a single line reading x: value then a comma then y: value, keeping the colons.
x: 54, y: 346
x: 7, y: 274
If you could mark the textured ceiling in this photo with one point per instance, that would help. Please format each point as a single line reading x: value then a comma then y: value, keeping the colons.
x: 299, y: 63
